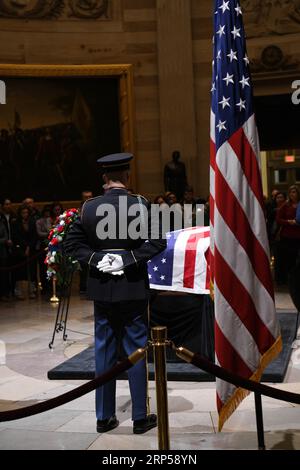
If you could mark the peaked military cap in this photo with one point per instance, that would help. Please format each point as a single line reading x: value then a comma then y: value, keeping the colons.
x: 115, y: 162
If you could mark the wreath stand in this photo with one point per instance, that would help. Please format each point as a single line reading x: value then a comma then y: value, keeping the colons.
x: 63, y: 307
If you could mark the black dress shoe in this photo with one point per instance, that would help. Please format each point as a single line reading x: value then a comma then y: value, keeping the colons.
x: 141, y: 426
x: 106, y: 425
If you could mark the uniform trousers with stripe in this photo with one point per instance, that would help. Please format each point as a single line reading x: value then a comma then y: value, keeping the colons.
x: 120, y: 325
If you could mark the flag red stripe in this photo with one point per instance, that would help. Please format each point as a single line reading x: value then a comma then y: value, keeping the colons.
x: 212, y: 209
x: 212, y: 154
x: 241, y: 302
x: 211, y: 266
x: 207, y: 257
x: 245, y: 326
x: 238, y: 223
x: 190, y: 259
x: 248, y: 160
x: 230, y: 359
x: 190, y: 262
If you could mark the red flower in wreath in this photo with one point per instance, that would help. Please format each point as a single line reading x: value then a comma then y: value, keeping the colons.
x: 56, y: 262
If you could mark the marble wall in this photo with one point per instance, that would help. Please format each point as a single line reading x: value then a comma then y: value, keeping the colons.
x: 169, y: 44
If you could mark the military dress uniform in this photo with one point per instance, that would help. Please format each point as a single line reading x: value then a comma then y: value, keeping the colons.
x: 120, y: 301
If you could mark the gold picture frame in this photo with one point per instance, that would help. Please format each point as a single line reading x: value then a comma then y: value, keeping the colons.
x: 126, y: 104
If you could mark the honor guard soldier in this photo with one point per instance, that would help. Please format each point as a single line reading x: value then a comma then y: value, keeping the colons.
x: 118, y: 284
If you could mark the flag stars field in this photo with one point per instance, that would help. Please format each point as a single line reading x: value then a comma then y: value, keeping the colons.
x: 225, y: 102
x: 221, y: 126
x: 238, y: 10
x: 183, y: 266
x: 221, y: 31
x: 224, y: 7
x: 232, y: 55
x: 241, y: 104
x: 236, y: 32
x: 228, y: 79
x: 245, y: 82
x: 246, y: 59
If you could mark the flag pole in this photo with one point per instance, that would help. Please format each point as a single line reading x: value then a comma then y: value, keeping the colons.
x: 259, y: 422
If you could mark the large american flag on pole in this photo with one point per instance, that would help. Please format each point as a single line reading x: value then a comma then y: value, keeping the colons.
x: 247, y: 335
x: 184, y: 265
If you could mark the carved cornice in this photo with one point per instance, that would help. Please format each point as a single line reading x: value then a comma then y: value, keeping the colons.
x: 273, y: 59
x: 38, y: 70
x: 48, y: 9
x: 31, y: 9
x: 89, y: 9
x: 271, y: 17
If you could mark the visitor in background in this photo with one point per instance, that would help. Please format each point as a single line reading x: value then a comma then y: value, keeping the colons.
x: 43, y: 227
x: 294, y: 280
x: 198, y: 208
x: 160, y: 200
x: 85, y: 196
x: 289, y: 232
x: 171, y: 199
x: 172, y: 202
x: 270, y: 205
x: 4, y: 286
x: 56, y: 210
x: 275, y: 232
x: 83, y: 273
x: 7, y: 218
x: 34, y: 213
x: 25, y: 240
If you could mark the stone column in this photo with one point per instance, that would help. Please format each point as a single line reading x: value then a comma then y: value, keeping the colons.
x: 176, y: 83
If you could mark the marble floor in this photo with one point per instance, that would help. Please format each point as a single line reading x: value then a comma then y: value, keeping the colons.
x: 25, y: 332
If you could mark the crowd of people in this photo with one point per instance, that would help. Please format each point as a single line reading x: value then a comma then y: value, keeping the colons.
x: 283, y: 223
x: 24, y: 238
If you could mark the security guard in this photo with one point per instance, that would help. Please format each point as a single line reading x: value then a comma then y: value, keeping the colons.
x: 118, y: 284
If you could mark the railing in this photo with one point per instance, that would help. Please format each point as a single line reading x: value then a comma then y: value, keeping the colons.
x: 160, y: 343
x: 78, y: 392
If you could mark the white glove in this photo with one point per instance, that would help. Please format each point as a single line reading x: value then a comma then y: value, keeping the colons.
x: 112, y: 264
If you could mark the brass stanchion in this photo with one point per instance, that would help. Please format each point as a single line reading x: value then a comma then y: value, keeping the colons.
x: 54, y: 297
x: 184, y: 354
x: 137, y: 356
x: 147, y: 364
x: 159, y: 342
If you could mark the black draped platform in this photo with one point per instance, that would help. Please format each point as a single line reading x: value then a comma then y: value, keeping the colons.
x: 190, y: 323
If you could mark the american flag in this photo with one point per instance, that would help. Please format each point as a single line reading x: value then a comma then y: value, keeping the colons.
x: 247, y: 335
x: 183, y: 266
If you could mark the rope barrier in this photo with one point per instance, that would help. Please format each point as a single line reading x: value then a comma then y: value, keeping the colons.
x: 78, y: 392
x: 234, y: 379
x: 118, y: 369
x: 22, y: 263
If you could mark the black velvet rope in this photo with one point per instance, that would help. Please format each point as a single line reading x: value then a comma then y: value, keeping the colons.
x: 28, y: 260
x: 123, y: 366
x: 238, y: 381
x: 78, y: 392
